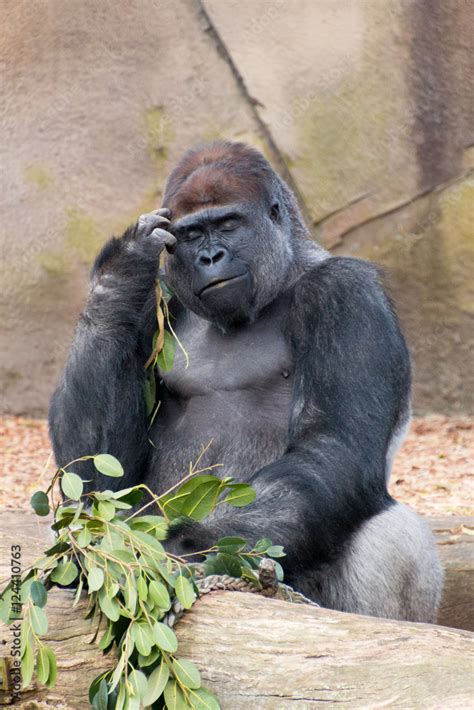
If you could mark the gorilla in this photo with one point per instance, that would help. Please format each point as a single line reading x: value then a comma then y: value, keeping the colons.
x: 298, y: 374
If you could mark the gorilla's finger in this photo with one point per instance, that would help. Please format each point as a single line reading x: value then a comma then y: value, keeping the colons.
x: 164, y: 212
x: 167, y: 239
x: 147, y: 222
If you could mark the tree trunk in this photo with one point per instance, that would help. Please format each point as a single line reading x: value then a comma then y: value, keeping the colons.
x: 262, y: 653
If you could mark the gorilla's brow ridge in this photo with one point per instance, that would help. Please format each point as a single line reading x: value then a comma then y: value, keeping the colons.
x: 209, y: 214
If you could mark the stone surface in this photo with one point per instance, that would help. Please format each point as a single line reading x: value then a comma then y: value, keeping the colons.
x: 363, y: 106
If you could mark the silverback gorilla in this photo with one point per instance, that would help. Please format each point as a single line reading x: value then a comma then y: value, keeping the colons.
x: 298, y: 373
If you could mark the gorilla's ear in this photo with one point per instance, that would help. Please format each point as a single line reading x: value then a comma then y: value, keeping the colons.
x: 275, y: 213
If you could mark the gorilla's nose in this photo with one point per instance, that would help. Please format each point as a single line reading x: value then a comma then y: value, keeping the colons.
x: 215, y: 265
x: 212, y: 256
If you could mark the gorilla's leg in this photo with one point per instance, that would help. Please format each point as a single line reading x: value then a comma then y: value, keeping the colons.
x: 390, y: 569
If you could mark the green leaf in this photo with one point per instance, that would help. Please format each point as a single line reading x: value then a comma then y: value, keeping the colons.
x: 78, y: 513
x: 42, y: 665
x: 201, y: 501
x: 276, y: 551
x: 108, y: 605
x: 240, y: 494
x: 27, y: 638
x: 279, y: 572
x: 262, y: 545
x: 58, y: 547
x: 132, y: 496
x: 252, y: 576
x: 166, y: 575
x: 118, y: 670
x: 142, y: 589
x: 185, y: 592
x: 95, y: 579
x: 72, y: 485
x: 108, y: 637
x: 174, y: 502
x: 108, y: 465
x: 156, y: 683
x: 78, y: 593
x: 94, y: 686
x: 122, y: 698
x: 130, y: 593
x: 186, y: 673
x: 164, y: 637
x: 139, y: 683
x: 142, y: 637
x: 122, y: 555
x: 202, y: 699
x: 224, y: 563
x: 40, y: 503
x: 231, y: 544
x: 154, y: 524
x: 84, y: 538
x: 62, y: 522
x: 174, y: 697
x: 101, y: 699
x: 159, y: 595
x: 27, y: 665
x: 39, y: 620
x: 53, y: 670
x: 144, y: 661
x: 105, y: 510
x: 151, y: 544
x: 38, y: 593
x: 165, y: 359
x: 120, y: 505
x: 64, y: 573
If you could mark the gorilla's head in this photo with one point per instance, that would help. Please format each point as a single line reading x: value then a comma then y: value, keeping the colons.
x: 239, y: 233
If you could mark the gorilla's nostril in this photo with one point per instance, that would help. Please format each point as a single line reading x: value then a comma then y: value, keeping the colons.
x: 217, y: 257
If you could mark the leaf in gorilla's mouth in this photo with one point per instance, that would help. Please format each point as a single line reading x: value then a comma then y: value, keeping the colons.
x: 219, y: 283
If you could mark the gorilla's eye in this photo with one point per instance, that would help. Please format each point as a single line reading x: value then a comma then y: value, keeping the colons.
x: 228, y: 225
x: 192, y: 234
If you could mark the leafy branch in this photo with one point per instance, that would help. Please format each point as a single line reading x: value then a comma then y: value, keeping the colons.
x: 116, y: 556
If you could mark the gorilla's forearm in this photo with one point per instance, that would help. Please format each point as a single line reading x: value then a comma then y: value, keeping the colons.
x: 310, y: 501
x: 99, y: 404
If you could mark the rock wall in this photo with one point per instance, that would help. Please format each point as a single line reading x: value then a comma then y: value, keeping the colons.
x: 362, y: 105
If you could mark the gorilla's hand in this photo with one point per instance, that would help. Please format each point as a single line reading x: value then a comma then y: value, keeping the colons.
x: 135, y: 256
x: 152, y: 231
x: 186, y: 536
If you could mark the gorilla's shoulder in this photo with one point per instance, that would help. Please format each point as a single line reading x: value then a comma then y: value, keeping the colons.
x: 339, y: 275
x: 342, y: 290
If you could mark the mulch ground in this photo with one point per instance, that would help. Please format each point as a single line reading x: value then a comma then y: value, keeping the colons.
x: 433, y: 472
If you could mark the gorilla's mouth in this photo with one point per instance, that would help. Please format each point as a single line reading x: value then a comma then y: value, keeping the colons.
x: 220, y: 283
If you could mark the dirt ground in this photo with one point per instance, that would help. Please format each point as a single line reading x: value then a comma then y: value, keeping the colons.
x: 433, y: 472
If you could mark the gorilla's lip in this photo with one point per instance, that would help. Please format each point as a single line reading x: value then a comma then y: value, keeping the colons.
x: 219, y: 283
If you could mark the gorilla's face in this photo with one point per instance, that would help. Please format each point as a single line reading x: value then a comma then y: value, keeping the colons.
x: 229, y: 261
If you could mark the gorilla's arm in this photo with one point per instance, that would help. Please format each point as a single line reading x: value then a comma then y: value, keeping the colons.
x: 99, y: 404
x: 352, y: 377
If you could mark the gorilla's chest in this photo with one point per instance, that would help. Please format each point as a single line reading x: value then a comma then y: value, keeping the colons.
x: 255, y: 359
x: 236, y: 391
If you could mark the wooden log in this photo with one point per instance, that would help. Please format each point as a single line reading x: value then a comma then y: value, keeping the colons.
x: 265, y: 653
x: 455, y: 540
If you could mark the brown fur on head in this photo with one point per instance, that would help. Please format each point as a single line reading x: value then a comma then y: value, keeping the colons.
x: 216, y: 174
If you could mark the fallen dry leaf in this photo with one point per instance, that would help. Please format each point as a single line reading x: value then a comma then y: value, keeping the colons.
x: 433, y: 472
